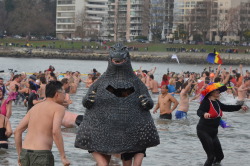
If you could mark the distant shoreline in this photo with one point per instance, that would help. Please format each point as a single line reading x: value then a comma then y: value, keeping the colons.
x: 159, y: 57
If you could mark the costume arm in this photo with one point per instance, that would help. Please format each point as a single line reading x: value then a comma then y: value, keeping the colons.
x: 89, y: 100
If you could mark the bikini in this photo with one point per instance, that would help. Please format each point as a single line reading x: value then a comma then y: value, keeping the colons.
x: 3, y: 136
x: 12, y: 96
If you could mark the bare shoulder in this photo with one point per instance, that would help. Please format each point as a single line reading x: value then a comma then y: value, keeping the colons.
x: 59, y: 106
x: 170, y: 97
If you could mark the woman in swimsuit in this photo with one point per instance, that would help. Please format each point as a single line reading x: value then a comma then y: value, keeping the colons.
x: 5, y: 131
x: 5, y: 105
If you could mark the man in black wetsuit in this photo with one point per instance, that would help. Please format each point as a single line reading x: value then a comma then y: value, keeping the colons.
x: 210, y: 113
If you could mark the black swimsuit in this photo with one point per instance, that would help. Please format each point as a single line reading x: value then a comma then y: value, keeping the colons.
x: 207, y: 129
x: 3, y: 136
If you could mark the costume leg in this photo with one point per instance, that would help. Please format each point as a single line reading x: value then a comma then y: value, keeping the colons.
x: 207, y: 143
x: 101, y: 159
x: 138, y: 159
x: 217, y: 150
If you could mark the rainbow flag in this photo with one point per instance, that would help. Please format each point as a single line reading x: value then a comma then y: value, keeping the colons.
x: 214, y: 58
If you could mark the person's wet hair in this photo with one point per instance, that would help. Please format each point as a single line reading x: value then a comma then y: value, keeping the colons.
x: 52, y: 74
x: 145, y: 71
x: 151, y: 76
x: 43, y: 80
x: 165, y: 77
x: 64, y: 81
x: 184, y: 85
x: 54, y: 77
x: 52, y: 87
x: 15, y: 76
x: 246, y: 79
x: 165, y: 87
x: 217, y: 79
x: 207, y: 73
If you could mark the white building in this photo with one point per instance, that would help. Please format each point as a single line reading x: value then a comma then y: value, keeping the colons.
x: 80, y: 17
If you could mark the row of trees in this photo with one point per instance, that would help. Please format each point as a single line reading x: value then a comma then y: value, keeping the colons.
x: 28, y: 17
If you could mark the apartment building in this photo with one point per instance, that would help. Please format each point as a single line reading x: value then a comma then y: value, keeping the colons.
x: 65, y: 18
x: 161, y: 18
x: 94, y: 18
x: 206, y: 17
x: 80, y: 18
x: 128, y: 19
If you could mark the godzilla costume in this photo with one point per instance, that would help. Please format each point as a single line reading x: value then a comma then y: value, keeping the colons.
x: 117, y: 117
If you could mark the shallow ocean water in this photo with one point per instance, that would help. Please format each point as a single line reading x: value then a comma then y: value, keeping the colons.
x: 179, y: 143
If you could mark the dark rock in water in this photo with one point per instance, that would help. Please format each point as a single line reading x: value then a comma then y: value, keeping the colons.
x: 117, y: 118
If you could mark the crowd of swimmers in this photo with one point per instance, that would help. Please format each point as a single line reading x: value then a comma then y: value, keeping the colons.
x: 52, y: 90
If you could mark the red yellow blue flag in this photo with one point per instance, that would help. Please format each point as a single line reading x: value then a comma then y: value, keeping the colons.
x: 214, y: 58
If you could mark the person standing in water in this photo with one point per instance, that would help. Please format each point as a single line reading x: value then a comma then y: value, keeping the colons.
x: 181, y: 113
x: 210, y: 113
x: 164, y: 103
x: 37, y: 145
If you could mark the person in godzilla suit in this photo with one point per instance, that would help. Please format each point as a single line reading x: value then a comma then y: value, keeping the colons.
x: 117, y: 118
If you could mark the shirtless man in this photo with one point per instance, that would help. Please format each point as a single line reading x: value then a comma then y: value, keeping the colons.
x: 66, y: 88
x: 164, y: 103
x: 242, y: 91
x: 88, y: 81
x: 181, y: 113
x: 151, y: 72
x: 153, y: 85
x: 37, y: 145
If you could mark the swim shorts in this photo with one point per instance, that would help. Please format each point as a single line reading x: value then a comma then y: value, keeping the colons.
x: 4, y: 145
x: 180, y: 115
x: 129, y: 156
x: 36, y: 157
x: 166, y: 116
x: 79, y: 119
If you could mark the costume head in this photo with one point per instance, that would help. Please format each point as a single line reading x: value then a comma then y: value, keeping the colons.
x: 119, y: 54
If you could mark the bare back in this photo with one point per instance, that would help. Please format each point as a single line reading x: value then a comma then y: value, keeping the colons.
x: 42, y: 91
x: 184, y: 101
x: 154, y: 86
x: 242, y: 92
x: 12, y: 87
x: 40, y: 126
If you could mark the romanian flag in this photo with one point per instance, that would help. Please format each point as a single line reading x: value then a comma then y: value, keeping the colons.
x: 214, y: 58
